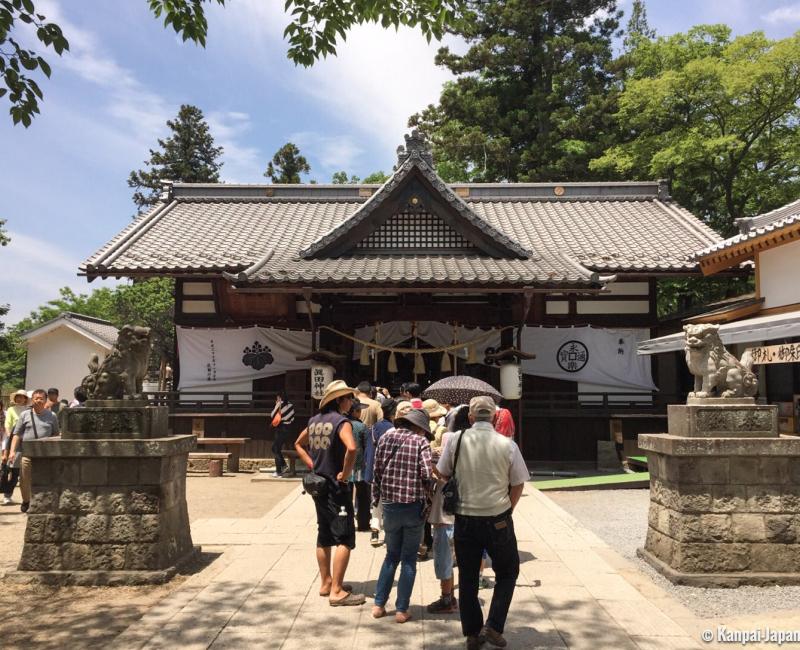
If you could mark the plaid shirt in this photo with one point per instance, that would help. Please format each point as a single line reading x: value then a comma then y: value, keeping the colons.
x: 403, y: 468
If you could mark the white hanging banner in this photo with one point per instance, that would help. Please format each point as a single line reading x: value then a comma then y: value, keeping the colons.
x: 434, y: 333
x: 223, y: 355
x: 587, y: 354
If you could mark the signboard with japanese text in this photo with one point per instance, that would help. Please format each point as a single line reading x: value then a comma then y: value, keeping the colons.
x: 784, y: 353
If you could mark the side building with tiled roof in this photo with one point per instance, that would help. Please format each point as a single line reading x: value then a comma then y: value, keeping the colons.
x: 59, y: 350
x: 417, y: 279
x: 766, y: 323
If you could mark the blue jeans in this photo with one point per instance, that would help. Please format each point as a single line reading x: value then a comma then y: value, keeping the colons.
x: 443, y: 551
x: 402, y: 523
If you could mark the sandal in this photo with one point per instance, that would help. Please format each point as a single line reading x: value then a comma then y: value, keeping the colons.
x: 348, y: 600
x: 347, y: 588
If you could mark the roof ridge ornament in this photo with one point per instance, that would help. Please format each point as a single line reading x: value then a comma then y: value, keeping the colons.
x: 417, y: 146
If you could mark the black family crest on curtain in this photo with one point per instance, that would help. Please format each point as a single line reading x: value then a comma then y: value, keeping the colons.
x: 572, y: 356
x: 258, y: 356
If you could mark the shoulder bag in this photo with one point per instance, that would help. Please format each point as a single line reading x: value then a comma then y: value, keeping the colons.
x: 450, y: 497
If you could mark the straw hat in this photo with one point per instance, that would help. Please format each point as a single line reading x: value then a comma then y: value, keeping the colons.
x: 402, y: 408
x: 19, y: 393
x: 417, y: 417
x: 434, y: 409
x: 337, y: 388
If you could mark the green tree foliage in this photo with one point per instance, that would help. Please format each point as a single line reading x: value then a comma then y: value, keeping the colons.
x: 717, y: 117
x: 148, y: 302
x: 341, y: 178
x: 637, y: 29
x: 17, y: 62
x: 188, y: 155
x: 533, y: 94
x: 286, y: 165
x: 376, y: 177
x: 313, y: 32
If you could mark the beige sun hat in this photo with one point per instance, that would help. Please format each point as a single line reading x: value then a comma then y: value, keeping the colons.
x: 19, y: 393
x: 434, y: 409
x: 482, y: 407
x: 337, y: 388
x: 402, y: 408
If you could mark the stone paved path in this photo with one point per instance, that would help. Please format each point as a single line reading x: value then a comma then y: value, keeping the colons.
x: 573, y: 592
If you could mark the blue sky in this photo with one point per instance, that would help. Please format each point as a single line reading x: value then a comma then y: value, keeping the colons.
x: 63, y: 184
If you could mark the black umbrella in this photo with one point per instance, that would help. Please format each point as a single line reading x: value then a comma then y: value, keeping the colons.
x: 460, y: 389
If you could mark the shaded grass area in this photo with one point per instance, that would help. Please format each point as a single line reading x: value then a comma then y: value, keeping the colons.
x: 602, y: 481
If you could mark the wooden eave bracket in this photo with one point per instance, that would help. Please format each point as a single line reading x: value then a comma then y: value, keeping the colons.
x: 509, y: 355
x: 322, y: 356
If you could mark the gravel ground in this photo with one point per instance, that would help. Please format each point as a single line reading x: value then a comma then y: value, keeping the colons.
x: 619, y: 517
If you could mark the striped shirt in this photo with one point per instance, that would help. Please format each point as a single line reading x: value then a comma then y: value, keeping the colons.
x: 403, y: 468
x: 287, y: 412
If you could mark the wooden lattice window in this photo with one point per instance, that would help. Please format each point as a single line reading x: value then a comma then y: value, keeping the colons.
x: 415, y: 231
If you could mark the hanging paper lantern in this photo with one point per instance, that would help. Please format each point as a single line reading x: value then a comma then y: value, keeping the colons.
x: 419, y: 365
x: 446, y: 362
x: 392, y: 366
x: 511, y: 381
x: 364, y: 360
x: 321, y: 376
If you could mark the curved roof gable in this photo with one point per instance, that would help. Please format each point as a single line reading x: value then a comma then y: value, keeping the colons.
x: 416, y: 186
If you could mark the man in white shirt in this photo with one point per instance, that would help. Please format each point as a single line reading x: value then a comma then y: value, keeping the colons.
x: 491, y: 475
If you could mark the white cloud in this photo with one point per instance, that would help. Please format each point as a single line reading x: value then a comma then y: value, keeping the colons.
x: 242, y: 163
x: 375, y: 82
x: 35, y: 270
x: 786, y: 14
x: 333, y: 152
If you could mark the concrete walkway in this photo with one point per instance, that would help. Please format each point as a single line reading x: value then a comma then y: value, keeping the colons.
x: 573, y: 592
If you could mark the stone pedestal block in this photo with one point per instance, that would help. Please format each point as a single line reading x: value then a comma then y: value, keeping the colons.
x: 114, y: 419
x: 724, y: 511
x: 723, y: 418
x: 107, y: 511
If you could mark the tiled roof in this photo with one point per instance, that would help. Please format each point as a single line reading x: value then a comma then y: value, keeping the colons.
x: 500, y: 239
x: 572, y: 232
x: 763, y: 224
x: 97, y: 327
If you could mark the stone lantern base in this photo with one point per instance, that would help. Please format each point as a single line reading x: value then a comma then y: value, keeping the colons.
x: 106, y: 511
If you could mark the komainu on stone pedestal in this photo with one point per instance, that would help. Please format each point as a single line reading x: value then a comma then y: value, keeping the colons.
x: 121, y: 373
x: 714, y: 368
x: 109, y: 495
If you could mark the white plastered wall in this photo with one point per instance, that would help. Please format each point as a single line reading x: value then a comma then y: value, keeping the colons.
x: 58, y: 359
x: 779, y: 275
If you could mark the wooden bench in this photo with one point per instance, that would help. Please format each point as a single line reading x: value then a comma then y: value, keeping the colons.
x: 225, y: 457
x: 232, y: 445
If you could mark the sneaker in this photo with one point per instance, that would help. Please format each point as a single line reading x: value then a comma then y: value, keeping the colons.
x: 374, y: 539
x: 475, y: 642
x: 493, y: 637
x: 442, y: 606
x: 276, y: 475
x: 24, y: 506
x: 485, y: 583
x: 7, y: 501
x: 422, y: 553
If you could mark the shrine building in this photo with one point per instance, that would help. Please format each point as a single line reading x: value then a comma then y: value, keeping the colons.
x: 543, y: 289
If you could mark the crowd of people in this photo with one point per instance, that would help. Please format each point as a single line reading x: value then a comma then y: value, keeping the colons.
x: 393, y: 465
x: 31, y: 415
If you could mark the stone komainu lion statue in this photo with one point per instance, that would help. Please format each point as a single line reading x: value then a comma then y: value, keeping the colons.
x: 714, y: 368
x: 121, y: 373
